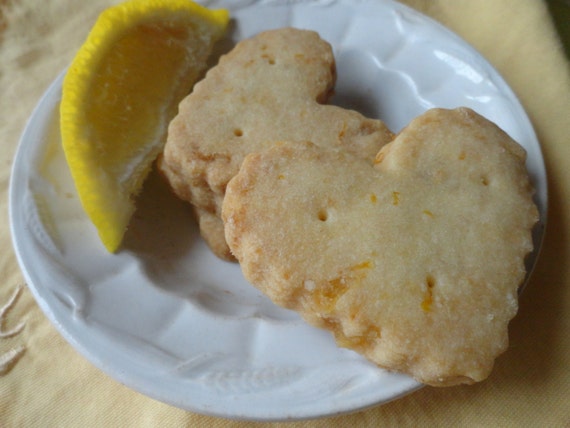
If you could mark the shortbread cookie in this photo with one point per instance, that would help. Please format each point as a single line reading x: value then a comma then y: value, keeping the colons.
x: 269, y: 88
x: 414, y: 262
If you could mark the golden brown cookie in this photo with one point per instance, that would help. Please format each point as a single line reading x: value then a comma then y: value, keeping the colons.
x: 269, y: 88
x: 414, y: 262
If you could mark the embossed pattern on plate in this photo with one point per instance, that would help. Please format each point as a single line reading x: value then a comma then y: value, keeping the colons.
x: 167, y: 318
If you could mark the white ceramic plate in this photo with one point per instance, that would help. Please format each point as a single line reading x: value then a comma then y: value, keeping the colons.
x: 167, y: 318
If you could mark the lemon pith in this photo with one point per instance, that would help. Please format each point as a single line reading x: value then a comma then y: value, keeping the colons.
x: 119, y: 94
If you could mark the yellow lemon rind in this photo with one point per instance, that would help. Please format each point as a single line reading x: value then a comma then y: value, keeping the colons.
x: 97, y: 188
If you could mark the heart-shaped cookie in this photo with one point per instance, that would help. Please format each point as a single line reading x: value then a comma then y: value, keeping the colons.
x: 271, y: 87
x: 414, y: 261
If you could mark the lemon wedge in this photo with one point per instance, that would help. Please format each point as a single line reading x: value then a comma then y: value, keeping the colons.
x: 119, y: 94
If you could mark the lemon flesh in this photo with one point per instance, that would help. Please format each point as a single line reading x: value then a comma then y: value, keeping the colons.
x: 120, y: 92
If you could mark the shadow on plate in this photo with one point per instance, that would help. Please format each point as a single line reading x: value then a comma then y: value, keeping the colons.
x: 164, y: 237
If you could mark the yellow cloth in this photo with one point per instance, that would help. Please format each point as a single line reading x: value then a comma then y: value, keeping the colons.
x: 47, y: 383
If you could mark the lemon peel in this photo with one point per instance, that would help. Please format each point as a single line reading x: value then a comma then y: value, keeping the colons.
x: 120, y: 92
